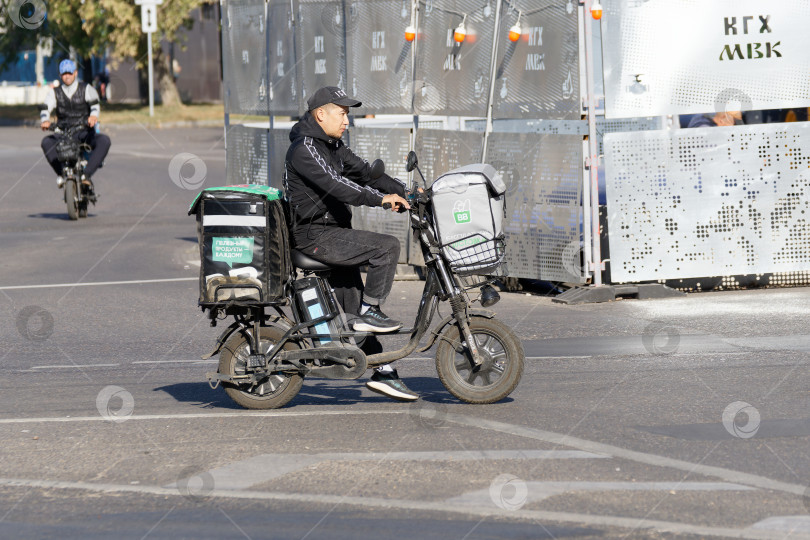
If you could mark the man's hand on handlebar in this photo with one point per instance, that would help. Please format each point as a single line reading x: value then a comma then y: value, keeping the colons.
x: 419, y: 196
x: 395, y: 203
x: 46, y: 125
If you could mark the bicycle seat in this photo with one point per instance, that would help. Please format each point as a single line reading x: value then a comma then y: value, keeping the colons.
x: 304, y: 262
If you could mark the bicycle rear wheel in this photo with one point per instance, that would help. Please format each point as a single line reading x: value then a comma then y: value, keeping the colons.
x: 273, y: 391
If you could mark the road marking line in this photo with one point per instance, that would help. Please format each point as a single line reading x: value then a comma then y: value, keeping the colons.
x: 784, y: 524
x: 209, y: 361
x: 244, y: 414
x: 403, y: 504
x: 709, y: 353
x: 74, y: 366
x: 538, y: 491
x: 556, y: 357
x: 617, y: 452
x: 263, y: 468
x: 162, y: 156
x: 537, y: 434
x: 97, y: 283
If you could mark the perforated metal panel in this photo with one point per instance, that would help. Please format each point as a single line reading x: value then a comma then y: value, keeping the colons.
x: 543, y: 174
x: 694, y: 56
x: 283, y: 88
x: 538, y: 75
x: 379, y: 60
x: 390, y: 145
x: 708, y: 201
x: 453, y: 78
x: 604, y: 126
x: 440, y: 151
x: 244, y: 51
x: 321, y: 49
x: 246, y: 155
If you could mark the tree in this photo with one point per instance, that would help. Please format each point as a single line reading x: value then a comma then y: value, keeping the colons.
x: 98, y: 27
x: 122, y: 18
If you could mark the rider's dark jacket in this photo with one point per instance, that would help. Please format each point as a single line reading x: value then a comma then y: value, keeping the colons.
x: 74, y: 110
x: 324, y: 178
x: 70, y: 110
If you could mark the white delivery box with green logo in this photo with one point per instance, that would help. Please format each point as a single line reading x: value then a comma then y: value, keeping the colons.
x: 469, y: 204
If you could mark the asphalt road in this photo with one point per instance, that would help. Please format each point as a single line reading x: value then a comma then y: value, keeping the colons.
x: 665, y: 418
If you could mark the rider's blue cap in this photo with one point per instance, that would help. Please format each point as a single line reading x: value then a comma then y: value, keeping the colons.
x: 67, y: 66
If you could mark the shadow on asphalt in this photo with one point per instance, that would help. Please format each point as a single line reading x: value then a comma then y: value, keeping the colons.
x: 63, y: 217
x: 314, y: 392
x: 199, y: 394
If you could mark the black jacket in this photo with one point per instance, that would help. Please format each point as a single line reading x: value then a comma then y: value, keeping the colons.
x: 323, y: 178
x: 72, y: 111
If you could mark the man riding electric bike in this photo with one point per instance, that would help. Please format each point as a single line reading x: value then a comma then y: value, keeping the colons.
x: 77, y: 109
x: 323, y: 179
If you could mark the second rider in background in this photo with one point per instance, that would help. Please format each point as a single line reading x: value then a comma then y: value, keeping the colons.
x: 75, y: 102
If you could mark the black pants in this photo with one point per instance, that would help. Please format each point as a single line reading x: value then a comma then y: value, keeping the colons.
x: 99, y: 142
x: 348, y: 249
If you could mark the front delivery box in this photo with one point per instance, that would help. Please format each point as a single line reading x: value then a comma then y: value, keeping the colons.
x: 244, y: 251
x: 468, y: 212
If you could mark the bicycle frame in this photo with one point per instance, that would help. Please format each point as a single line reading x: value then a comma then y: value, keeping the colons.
x: 439, y: 285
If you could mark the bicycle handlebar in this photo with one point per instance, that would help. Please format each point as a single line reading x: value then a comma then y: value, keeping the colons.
x: 413, y: 198
x: 400, y: 210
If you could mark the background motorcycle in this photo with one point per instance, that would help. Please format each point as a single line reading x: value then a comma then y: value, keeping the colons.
x: 72, y: 155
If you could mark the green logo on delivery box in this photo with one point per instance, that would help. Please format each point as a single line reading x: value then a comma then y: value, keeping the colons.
x: 461, y: 211
x: 232, y: 250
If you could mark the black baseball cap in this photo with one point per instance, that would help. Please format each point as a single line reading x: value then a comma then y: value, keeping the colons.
x: 331, y: 94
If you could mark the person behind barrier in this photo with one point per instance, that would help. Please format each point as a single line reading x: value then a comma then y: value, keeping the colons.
x: 75, y: 102
x: 323, y: 179
x: 729, y: 118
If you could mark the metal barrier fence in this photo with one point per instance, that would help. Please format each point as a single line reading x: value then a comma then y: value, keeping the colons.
x: 715, y: 201
x: 518, y: 105
x: 278, y: 52
x: 709, y: 202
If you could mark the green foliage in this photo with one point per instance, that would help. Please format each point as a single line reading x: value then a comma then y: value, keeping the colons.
x: 94, y: 27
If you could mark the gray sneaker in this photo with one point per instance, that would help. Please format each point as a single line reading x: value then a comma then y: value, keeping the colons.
x: 374, y: 320
x: 60, y: 182
x: 388, y: 384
